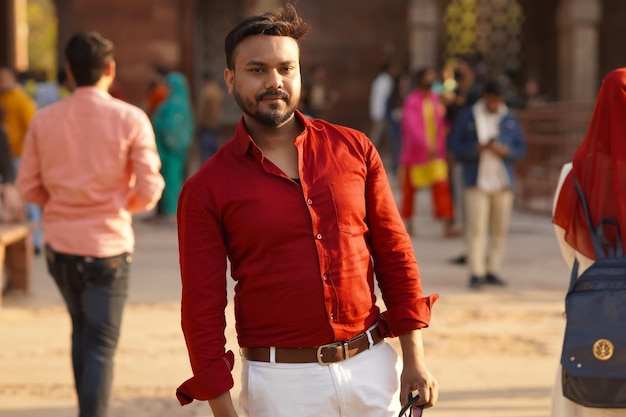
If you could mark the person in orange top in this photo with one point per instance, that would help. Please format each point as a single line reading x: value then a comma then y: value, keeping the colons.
x: 19, y: 110
x: 158, y: 90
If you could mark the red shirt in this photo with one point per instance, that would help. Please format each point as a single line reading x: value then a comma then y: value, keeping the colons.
x: 303, y: 257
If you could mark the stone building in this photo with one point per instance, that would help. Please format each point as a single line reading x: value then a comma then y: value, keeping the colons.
x: 566, y: 44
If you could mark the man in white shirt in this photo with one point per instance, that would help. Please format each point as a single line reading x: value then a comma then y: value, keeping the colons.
x: 487, y: 140
x: 382, y: 88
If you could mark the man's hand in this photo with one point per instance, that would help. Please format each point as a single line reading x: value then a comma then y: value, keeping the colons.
x: 415, y: 376
x: 499, y: 149
x: 222, y: 406
x: 136, y: 202
x: 494, y: 146
x: 482, y: 147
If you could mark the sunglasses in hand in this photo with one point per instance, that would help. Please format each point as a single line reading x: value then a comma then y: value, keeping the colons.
x: 410, y: 409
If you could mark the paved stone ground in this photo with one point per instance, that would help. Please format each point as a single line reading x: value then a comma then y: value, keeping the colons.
x: 494, y: 352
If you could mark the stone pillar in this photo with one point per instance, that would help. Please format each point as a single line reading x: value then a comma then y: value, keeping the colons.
x: 14, y: 51
x: 578, y: 22
x: 424, y: 25
x: 21, y: 35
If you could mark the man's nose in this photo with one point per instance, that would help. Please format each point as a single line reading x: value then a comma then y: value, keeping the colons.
x: 274, y: 80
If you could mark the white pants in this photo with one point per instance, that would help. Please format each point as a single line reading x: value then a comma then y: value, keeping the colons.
x: 488, y: 216
x: 366, y: 385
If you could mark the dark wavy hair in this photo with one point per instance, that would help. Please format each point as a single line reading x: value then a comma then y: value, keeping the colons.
x: 87, y: 54
x: 280, y: 22
x: 419, y: 75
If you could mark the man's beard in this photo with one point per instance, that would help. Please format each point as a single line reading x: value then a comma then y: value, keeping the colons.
x: 273, y: 118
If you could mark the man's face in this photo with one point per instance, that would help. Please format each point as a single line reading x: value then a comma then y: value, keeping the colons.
x: 7, y: 80
x: 493, y: 102
x: 265, y: 80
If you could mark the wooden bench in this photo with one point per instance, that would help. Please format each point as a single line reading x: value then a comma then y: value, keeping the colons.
x: 16, y: 254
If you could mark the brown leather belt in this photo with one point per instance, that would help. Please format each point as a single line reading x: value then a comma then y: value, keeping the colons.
x: 324, y: 355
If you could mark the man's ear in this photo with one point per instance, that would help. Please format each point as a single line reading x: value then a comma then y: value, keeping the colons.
x: 70, y: 76
x: 229, y: 78
x: 110, y: 68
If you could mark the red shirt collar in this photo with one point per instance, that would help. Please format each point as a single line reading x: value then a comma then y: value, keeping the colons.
x: 243, y: 141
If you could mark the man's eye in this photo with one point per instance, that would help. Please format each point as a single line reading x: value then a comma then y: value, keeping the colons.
x: 256, y: 70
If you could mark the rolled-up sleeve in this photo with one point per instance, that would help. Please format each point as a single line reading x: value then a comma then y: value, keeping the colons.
x: 146, y: 163
x: 396, y: 269
x: 204, y: 297
x: 208, y: 383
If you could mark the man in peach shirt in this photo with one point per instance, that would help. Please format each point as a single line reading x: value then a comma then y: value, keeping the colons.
x: 90, y: 161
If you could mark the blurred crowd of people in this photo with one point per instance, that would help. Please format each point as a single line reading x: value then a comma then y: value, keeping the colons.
x: 412, y: 115
x: 455, y: 132
x: 168, y: 102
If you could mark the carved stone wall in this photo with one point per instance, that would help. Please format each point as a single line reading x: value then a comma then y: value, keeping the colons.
x: 492, y: 28
x: 612, y: 33
x: 144, y: 32
x: 353, y: 38
x: 189, y: 35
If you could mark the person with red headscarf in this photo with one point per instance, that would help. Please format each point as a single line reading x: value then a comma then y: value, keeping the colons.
x: 599, y: 165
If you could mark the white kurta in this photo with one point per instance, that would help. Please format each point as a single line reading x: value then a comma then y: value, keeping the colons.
x: 561, y: 406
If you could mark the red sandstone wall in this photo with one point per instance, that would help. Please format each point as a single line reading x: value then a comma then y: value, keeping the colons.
x: 143, y: 31
x: 612, y: 33
x: 352, y: 39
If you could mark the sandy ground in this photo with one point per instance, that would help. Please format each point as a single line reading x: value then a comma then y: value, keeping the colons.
x: 493, y: 351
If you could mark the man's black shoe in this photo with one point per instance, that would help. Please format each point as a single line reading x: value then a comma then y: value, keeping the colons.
x: 458, y: 260
x: 494, y: 280
x: 475, y: 282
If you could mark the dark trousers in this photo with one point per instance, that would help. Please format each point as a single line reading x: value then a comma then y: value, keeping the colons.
x: 94, y: 290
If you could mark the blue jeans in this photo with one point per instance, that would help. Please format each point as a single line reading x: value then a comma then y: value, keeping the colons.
x: 395, y: 136
x: 34, y: 214
x: 207, y: 139
x: 94, y: 290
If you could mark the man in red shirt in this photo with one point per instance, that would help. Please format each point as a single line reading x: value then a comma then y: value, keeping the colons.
x: 303, y: 211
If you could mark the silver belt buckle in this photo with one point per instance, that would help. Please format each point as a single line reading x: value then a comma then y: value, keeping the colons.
x: 344, y: 345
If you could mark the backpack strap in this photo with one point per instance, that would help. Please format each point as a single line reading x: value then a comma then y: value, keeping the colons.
x: 618, y: 252
x: 598, y: 238
x: 573, y: 276
x: 593, y: 232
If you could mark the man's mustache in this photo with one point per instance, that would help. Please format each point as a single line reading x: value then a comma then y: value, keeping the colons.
x: 273, y: 93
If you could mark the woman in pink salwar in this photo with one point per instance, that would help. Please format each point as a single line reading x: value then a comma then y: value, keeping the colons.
x: 423, y: 155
